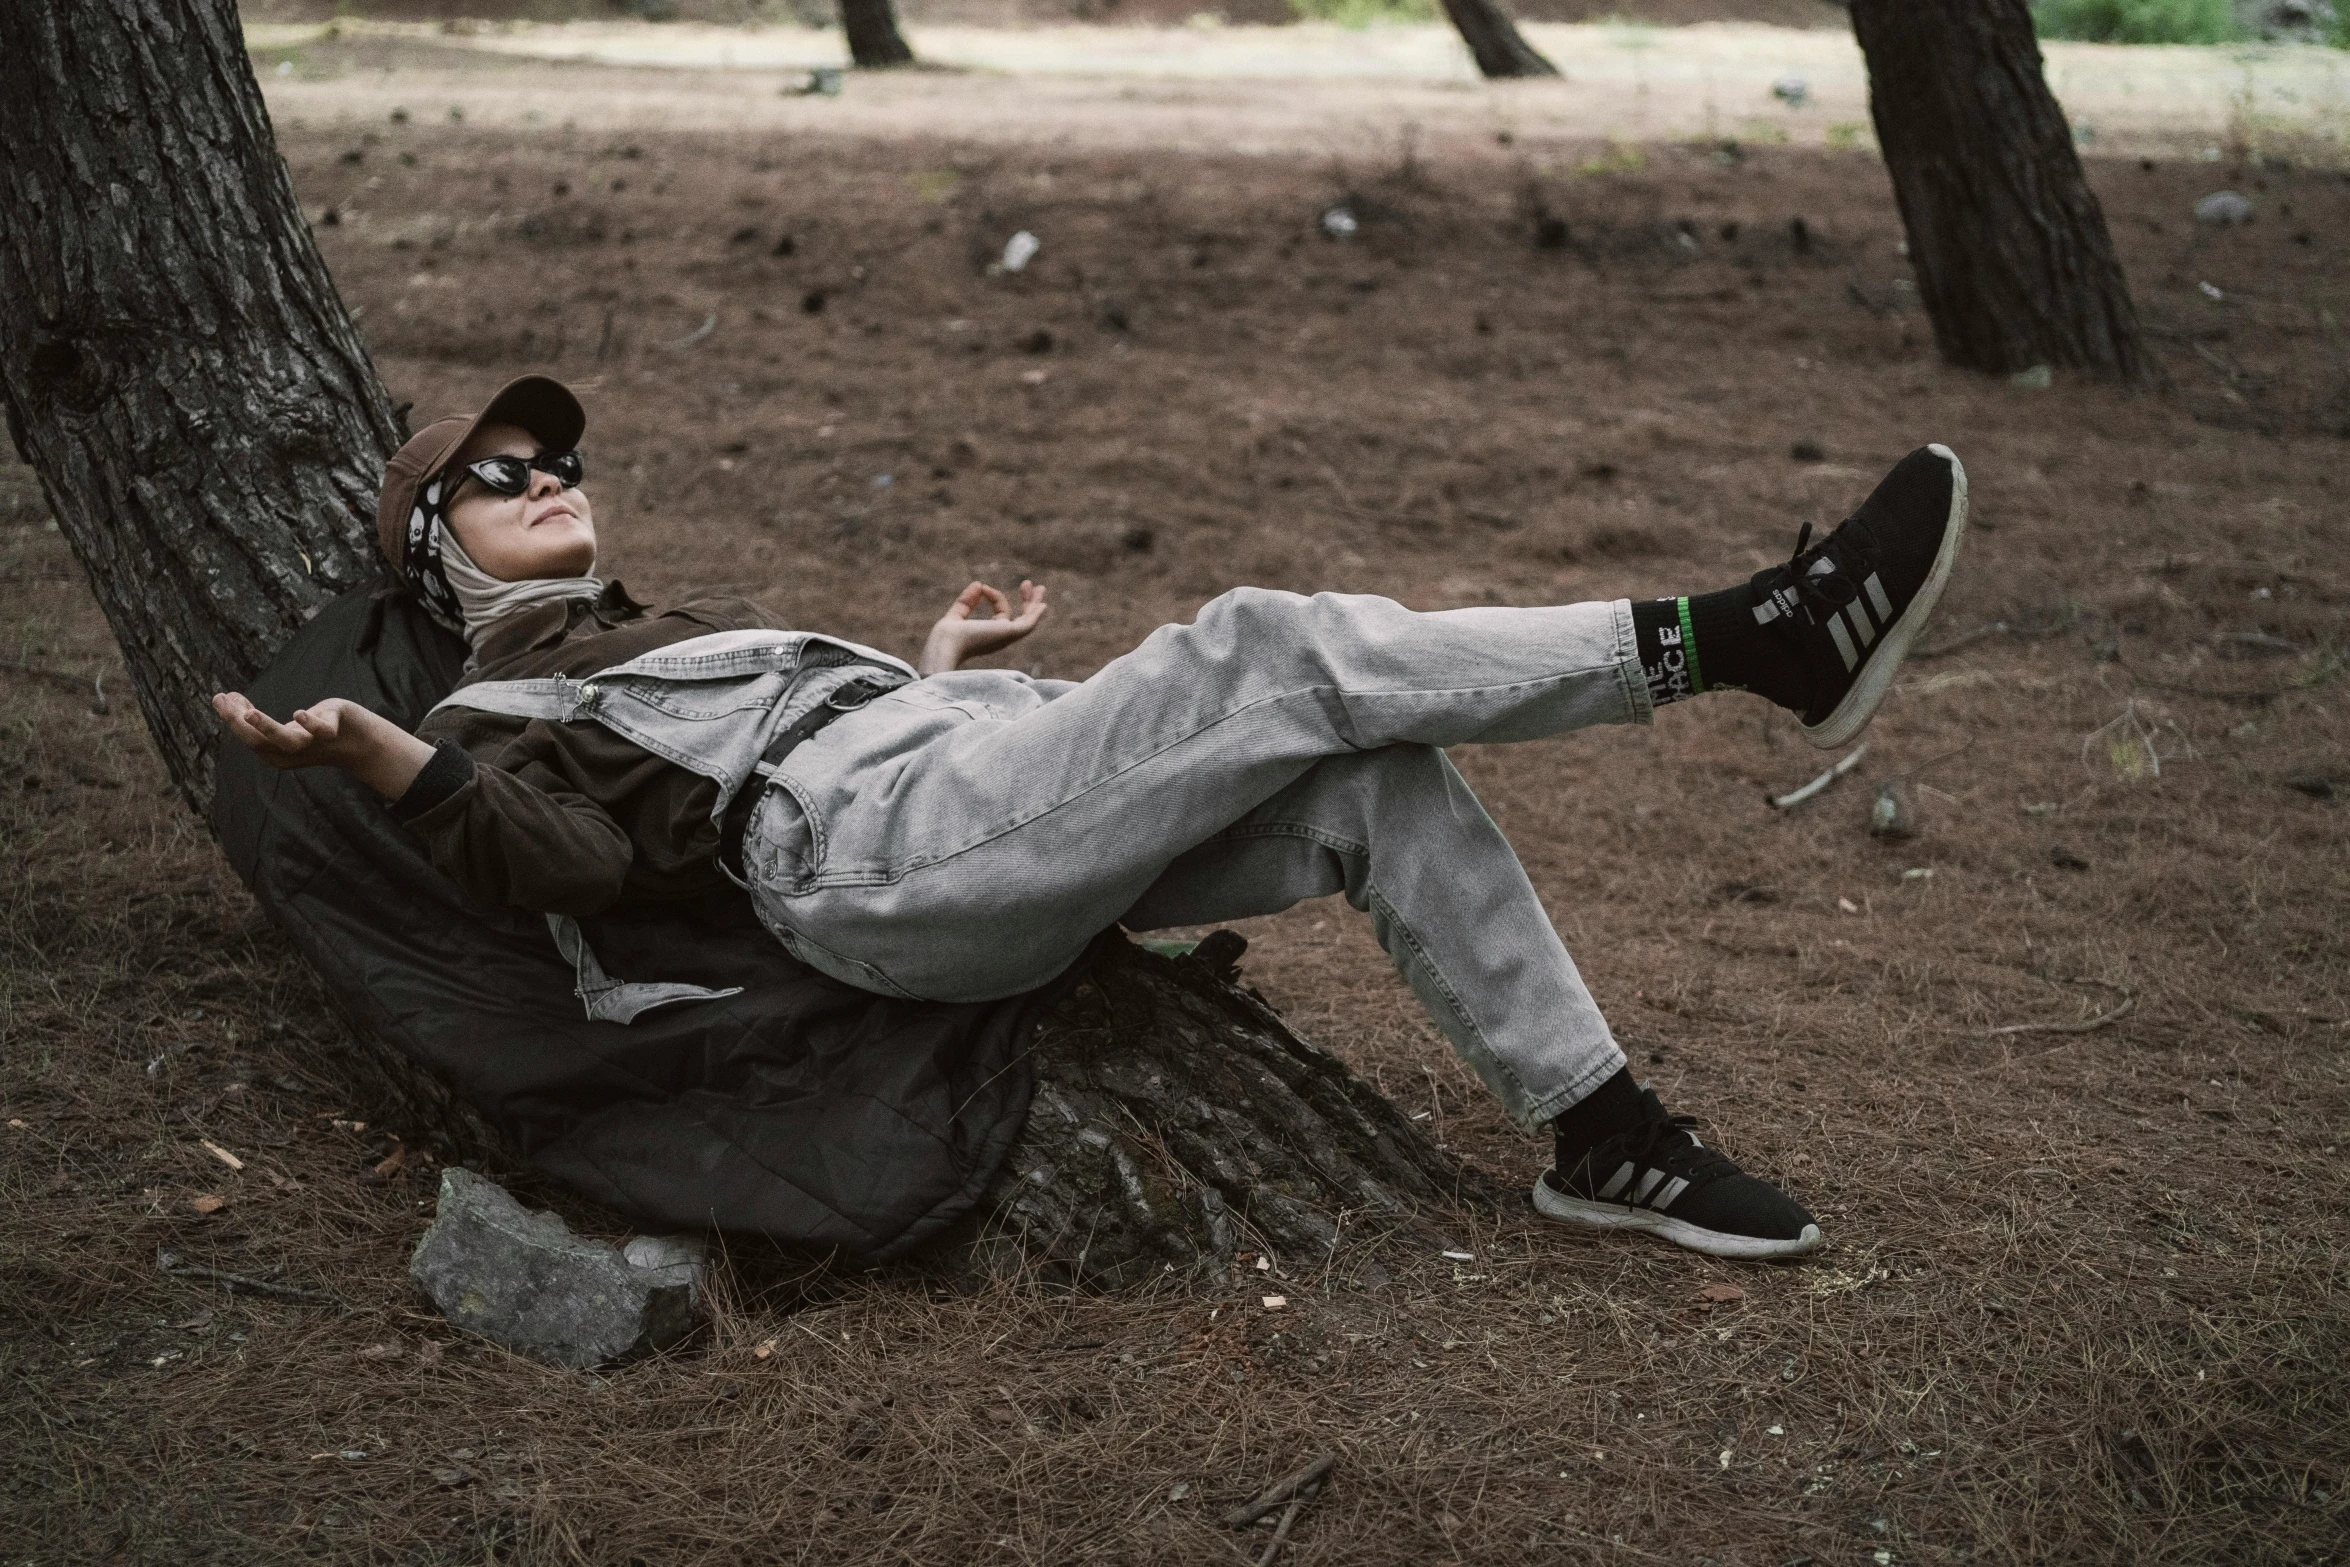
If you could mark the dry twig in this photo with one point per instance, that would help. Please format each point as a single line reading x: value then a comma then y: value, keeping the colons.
x: 1280, y: 1491
x: 239, y: 1283
x: 2114, y: 1015
x: 1795, y: 797
x: 95, y: 687
x: 1281, y: 1530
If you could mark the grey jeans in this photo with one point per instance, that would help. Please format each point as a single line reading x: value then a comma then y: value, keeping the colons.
x: 964, y: 837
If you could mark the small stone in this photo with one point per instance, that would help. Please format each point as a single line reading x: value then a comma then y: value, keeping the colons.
x: 2065, y: 860
x: 2037, y: 379
x: 523, y: 1281
x: 1808, y: 451
x: 2316, y: 785
x: 1894, y: 814
x: 2223, y: 207
x: 1791, y: 90
x: 1340, y: 222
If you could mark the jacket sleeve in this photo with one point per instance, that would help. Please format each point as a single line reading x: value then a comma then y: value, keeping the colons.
x: 521, y: 836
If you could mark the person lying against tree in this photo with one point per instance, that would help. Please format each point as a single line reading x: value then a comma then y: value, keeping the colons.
x: 934, y: 832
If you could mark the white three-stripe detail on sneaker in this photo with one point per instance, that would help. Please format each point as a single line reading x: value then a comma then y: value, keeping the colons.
x: 1843, y: 641
x: 1862, y: 626
x: 1656, y: 1190
x: 1876, y: 592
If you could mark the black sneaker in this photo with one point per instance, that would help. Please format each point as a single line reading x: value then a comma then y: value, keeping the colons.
x: 1858, y: 599
x: 1658, y: 1177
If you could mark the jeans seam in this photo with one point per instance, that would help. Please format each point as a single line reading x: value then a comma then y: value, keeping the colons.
x: 1637, y: 701
x: 1452, y: 997
x: 1278, y: 829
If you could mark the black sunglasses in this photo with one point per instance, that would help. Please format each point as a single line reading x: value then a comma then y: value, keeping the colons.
x: 511, y: 475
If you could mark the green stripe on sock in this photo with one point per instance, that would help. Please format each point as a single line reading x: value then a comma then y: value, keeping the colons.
x: 1689, y: 651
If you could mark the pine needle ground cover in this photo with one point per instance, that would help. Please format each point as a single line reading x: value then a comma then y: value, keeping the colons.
x: 2084, y: 1300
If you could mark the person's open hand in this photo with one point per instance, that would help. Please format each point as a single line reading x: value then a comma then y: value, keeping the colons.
x: 332, y: 733
x: 322, y: 736
x: 958, y: 637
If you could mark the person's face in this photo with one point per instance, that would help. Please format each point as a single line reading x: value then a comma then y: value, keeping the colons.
x: 546, y: 531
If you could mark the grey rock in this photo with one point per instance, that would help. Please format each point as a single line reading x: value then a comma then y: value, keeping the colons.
x: 2223, y: 207
x: 523, y: 1281
x: 1791, y: 90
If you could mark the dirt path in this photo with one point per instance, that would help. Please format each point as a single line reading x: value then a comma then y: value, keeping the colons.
x: 1311, y: 90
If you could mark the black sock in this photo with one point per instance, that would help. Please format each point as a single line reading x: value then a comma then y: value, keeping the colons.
x: 1712, y: 642
x: 1614, y: 1106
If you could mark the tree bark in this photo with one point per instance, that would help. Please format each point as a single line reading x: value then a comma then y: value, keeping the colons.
x: 1494, y: 40
x: 173, y: 358
x: 177, y: 367
x: 2015, y: 266
x: 1178, y: 1121
x: 874, y: 40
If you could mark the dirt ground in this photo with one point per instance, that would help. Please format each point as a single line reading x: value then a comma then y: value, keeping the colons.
x: 823, y: 14
x: 2064, y: 1075
x: 1348, y: 96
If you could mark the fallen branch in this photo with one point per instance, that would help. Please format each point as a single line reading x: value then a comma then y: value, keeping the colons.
x: 1794, y: 798
x: 1280, y: 1491
x: 2115, y: 1015
x: 171, y: 1263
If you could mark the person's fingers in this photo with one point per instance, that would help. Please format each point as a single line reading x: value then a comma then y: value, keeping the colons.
x: 324, y: 721
x: 996, y: 601
x: 265, y: 734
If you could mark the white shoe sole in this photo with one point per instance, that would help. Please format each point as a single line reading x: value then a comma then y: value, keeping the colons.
x: 1615, y: 1216
x: 1852, y: 715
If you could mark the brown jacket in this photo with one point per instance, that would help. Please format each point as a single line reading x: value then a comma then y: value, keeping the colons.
x: 568, y: 818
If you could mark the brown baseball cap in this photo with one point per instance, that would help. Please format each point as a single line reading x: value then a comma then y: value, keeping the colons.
x: 538, y: 403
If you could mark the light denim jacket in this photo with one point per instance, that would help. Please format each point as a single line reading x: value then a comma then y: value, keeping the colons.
x: 709, y: 704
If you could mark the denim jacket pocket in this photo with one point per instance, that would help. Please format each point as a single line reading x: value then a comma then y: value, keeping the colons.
x: 783, y: 845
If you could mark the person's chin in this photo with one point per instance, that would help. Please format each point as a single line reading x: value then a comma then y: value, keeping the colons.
x: 564, y: 549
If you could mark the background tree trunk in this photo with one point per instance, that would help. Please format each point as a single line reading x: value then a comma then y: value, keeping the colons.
x: 178, y: 369
x: 1494, y: 40
x: 2014, y: 264
x: 177, y: 366
x: 874, y: 40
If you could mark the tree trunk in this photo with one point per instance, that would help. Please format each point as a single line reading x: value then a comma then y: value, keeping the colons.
x: 1494, y: 40
x: 177, y: 367
x: 874, y: 40
x: 1178, y: 1121
x: 2014, y: 264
